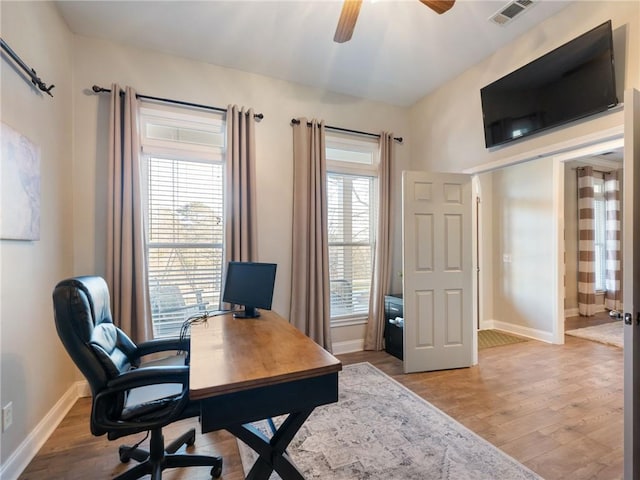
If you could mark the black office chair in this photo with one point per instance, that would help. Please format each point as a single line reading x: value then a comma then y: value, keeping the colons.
x: 128, y: 396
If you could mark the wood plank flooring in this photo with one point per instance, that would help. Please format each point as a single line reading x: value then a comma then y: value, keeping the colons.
x: 556, y: 409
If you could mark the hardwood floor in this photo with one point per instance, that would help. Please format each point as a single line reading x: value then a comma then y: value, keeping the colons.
x: 599, y: 318
x: 556, y: 409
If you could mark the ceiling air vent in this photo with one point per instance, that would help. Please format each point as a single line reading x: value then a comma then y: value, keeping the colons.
x: 510, y: 11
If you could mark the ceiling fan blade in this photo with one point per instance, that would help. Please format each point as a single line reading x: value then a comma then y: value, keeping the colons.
x: 347, y: 22
x: 439, y: 6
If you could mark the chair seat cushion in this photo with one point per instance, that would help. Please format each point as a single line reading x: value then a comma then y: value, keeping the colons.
x: 152, y: 400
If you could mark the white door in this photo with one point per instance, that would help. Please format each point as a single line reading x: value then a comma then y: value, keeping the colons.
x: 437, y: 271
x: 630, y: 280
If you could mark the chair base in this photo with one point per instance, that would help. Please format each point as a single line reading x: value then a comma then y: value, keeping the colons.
x: 159, y: 457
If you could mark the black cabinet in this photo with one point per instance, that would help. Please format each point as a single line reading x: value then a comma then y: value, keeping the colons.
x: 393, y: 331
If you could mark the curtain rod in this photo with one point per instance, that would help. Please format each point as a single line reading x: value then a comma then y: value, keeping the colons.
x: 348, y: 130
x: 97, y: 89
x: 30, y: 71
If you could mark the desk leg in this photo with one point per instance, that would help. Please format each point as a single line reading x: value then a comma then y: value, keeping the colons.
x: 272, y: 455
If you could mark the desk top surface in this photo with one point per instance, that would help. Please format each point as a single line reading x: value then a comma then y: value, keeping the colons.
x: 230, y: 355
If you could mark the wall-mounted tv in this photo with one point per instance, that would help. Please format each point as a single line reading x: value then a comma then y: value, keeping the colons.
x: 571, y: 82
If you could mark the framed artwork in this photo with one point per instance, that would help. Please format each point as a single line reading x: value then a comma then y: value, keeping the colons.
x: 19, y: 186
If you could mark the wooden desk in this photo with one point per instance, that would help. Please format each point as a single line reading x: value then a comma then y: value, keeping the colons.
x: 244, y: 370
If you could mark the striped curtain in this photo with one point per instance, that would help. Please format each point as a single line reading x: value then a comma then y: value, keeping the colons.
x: 613, y: 297
x: 586, y: 249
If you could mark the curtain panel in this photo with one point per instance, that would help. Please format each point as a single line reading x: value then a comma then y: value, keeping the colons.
x: 310, y: 295
x: 381, y: 275
x: 613, y: 294
x: 586, y: 248
x: 126, y: 245
x: 240, y: 215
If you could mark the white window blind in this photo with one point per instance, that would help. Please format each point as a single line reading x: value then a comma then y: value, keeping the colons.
x: 185, y: 223
x: 351, y: 195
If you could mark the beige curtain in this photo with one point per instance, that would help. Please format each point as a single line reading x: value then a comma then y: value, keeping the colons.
x: 310, y: 264
x: 613, y: 296
x: 240, y: 215
x: 126, y: 249
x: 381, y: 274
x: 586, y: 249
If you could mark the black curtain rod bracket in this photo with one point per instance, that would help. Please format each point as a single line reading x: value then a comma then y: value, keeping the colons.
x: 97, y: 89
x: 29, y: 71
x: 348, y: 130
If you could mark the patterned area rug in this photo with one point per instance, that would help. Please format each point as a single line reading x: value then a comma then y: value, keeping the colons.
x: 495, y: 338
x: 610, y: 333
x: 380, y: 430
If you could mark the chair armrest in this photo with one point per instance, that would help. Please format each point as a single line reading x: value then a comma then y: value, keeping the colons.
x: 162, y: 345
x: 100, y: 419
x: 143, y: 377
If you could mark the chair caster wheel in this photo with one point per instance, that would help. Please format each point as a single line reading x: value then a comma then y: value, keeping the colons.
x: 123, y: 453
x: 216, y: 471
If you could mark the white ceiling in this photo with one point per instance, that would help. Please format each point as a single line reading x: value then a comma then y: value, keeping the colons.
x: 400, y: 50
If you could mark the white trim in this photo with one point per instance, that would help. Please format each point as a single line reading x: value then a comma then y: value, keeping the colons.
x: 571, y: 312
x: 528, y: 332
x: 610, y: 139
x: 348, y: 346
x: 30, y: 446
x: 553, y: 149
x: 558, y: 254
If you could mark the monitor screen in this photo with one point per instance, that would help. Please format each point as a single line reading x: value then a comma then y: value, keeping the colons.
x: 249, y: 284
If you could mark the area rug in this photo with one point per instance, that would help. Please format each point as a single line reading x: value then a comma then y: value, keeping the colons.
x: 380, y: 430
x: 611, y: 333
x: 496, y: 338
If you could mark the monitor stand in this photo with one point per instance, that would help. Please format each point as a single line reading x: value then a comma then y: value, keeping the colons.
x: 248, y: 312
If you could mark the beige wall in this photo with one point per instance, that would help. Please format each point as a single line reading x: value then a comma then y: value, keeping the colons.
x: 35, y: 369
x: 523, y: 240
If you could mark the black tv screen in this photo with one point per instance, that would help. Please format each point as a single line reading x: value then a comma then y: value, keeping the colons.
x: 571, y: 82
x: 249, y: 284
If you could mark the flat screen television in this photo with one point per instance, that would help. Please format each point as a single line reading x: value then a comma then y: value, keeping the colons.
x: 571, y: 82
x: 250, y: 285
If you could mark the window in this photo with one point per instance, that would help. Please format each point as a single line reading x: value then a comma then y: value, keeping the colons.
x: 351, y: 194
x: 183, y: 162
x: 599, y: 213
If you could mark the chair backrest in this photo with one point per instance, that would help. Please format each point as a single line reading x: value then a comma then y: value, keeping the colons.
x: 83, y: 320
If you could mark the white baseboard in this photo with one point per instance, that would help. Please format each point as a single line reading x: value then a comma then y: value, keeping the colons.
x: 574, y: 312
x: 528, y: 332
x: 28, y: 449
x: 571, y: 312
x: 348, y: 346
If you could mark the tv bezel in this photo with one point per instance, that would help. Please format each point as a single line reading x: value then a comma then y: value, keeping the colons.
x: 249, y: 304
x: 545, y: 57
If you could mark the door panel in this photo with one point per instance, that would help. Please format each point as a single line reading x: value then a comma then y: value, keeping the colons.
x: 437, y: 271
x: 631, y: 290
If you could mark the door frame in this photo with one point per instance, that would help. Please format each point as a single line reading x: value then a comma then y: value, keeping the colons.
x: 585, y: 145
x: 558, y: 202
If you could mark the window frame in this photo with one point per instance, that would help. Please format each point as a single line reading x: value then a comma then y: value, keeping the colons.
x: 176, y: 151
x: 354, y: 142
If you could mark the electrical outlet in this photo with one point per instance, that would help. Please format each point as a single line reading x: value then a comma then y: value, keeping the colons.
x: 7, y: 416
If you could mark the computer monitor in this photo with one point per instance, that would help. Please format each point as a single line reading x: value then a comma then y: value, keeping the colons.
x: 249, y: 284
